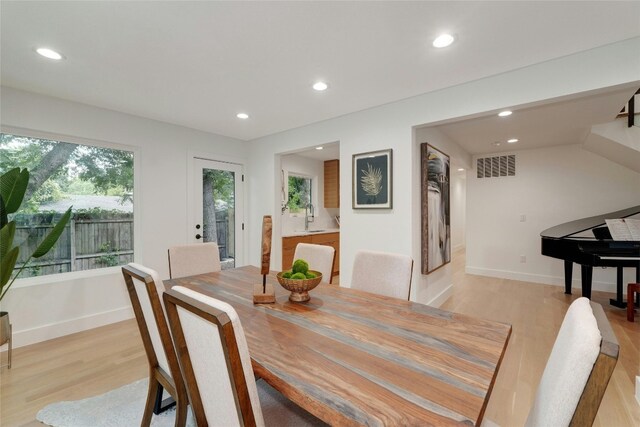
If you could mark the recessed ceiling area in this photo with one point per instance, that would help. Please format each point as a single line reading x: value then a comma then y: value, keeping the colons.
x: 554, y: 123
x: 329, y: 151
x: 198, y: 64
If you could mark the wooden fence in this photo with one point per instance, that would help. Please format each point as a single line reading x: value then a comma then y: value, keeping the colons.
x: 87, y: 243
x: 94, y: 242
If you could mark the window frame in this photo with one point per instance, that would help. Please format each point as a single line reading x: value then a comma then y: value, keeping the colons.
x: 74, y: 275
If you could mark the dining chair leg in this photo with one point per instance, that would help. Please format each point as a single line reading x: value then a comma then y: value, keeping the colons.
x: 152, y: 392
x: 181, y: 413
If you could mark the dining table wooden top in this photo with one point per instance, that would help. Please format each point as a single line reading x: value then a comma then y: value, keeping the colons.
x: 356, y: 358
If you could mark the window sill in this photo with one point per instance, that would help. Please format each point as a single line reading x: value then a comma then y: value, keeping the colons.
x: 64, y: 277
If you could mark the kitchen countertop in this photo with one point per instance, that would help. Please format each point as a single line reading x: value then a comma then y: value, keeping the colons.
x: 311, y: 232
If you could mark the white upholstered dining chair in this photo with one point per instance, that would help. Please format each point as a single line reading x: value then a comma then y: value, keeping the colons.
x: 214, y: 357
x: 145, y: 289
x: 578, y: 370
x: 382, y: 273
x: 197, y: 258
x: 320, y: 258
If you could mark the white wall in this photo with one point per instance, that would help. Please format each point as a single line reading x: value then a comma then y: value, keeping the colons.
x: 324, y: 218
x: 552, y: 186
x: 390, y: 126
x: 82, y: 300
x: 458, y: 209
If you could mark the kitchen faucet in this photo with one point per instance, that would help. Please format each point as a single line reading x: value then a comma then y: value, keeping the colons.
x: 308, y: 218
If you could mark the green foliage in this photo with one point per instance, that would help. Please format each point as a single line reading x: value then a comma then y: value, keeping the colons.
x: 88, y: 170
x: 118, y: 190
x: 13, y: 184
x: 286, y: 274
x: 223, y: 185
x: 111, y: 257
x: 310, y: 275
x: 299, y: 193
x: 53, y: 236
x: 300, y: 266
x: 106, y: 168
x: 82, y: 188
x: 49, y: 192
x: 298, y: 276
x: 21, y: 150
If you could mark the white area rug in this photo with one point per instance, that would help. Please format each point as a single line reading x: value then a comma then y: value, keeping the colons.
x: 117, y: 408
x: 123, y: 407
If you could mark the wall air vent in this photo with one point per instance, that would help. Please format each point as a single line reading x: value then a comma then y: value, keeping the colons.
x: 492, y: 167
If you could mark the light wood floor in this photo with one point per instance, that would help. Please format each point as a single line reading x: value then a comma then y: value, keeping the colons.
x: 95, y: 361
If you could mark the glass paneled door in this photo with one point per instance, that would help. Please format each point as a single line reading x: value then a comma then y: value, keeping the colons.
x: 217, y: 210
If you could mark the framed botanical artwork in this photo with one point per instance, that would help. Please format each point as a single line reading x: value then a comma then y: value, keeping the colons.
x: 372, y: 187
x: 436, y: 215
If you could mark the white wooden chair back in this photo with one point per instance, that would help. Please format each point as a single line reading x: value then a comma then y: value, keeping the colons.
x: 147, y: 299
x: 214, y: 358
x: 578, y: 370
x: 382, y: 273
x: 189, y: 260
x: 319, y: 257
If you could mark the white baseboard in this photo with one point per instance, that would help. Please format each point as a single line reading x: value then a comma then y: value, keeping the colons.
x: 439, y: 299
x: 538, y: 278
x: 638, y: 389
x: 71, y: 326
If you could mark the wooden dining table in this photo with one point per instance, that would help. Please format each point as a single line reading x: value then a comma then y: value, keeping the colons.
x: 356, y: 358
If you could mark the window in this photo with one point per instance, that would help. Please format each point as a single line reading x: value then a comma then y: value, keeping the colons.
x: 299, y: 193
x: 96, y: 181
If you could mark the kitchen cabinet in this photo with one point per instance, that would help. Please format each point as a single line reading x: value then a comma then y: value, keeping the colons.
x: 332, y: 183
x: 328, y: 239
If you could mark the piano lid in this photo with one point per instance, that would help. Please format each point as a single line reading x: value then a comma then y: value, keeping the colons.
x: 569, y: 228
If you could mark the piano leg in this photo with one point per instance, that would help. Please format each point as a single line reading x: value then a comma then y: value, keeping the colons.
x: 587, y: 274
x: 568, y: 271
x: 619, y: 300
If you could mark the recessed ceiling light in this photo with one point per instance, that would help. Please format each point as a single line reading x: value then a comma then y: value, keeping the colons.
x: 443, y: 40
x: 242, y: 116
x: 49, y: 53
x: 512, y: 140
x: 320, y: 86
x: 460, y: 169
x: 496, y: 143
x: 319, y: 148
x: 505, y: 113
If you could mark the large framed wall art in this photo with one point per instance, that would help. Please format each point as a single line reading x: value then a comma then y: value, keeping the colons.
x: 436, y: 214
x: 371, y: 180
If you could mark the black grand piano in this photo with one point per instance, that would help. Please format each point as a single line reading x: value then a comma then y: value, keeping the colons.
x: 588, y: 243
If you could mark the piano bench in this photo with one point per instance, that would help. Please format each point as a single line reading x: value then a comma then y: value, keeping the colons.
x: 632, y: 288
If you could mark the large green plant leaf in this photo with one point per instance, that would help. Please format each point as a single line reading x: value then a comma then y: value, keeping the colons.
x: 4, y: 219
x: 6, y: 238
x: 6, y: 267
x: 53, y: 236
x: 13, y: 185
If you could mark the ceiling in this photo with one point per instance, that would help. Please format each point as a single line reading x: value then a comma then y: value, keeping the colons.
x: 329, y: 152
x: 198, y: 64
x: 554, y: 123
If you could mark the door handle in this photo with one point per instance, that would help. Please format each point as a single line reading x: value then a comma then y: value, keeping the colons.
x: 198, y: 236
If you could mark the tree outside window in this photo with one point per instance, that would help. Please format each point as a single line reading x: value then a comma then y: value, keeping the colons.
x: 96, y: 181
x: 299, y: 193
